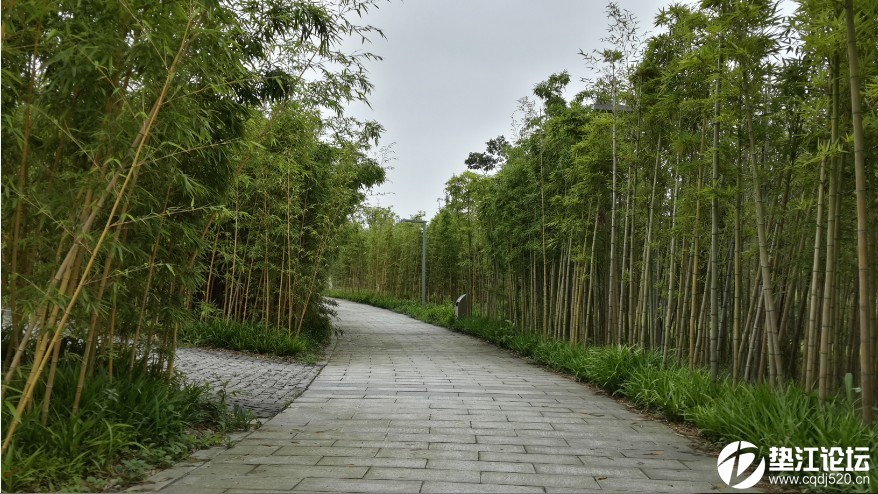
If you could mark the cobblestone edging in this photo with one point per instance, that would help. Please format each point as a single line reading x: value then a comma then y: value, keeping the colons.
x: 263, y: 384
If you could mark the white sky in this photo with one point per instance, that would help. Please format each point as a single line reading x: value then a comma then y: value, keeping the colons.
x: 453, y: 70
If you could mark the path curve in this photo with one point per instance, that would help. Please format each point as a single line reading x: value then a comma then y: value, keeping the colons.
x: 404, y: 406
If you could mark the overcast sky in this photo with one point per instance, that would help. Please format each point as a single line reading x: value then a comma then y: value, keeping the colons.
x: 453, y: 70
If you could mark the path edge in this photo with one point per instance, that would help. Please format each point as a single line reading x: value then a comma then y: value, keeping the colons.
x: 165, y: 477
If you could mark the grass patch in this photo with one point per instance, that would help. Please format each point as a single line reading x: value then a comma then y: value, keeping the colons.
x: 723, y: 412
x: 245, y: 337
x: 126, y: 427
x: 673, y: 391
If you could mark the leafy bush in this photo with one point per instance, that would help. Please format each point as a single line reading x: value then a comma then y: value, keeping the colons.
x: 788, y: 417
x: 610, y: 367
x: 125, y: 426
x: 673, y: 391
x: 248, y: 337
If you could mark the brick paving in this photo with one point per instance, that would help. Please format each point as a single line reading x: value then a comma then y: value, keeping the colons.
x: 404, y: 406
x: 265, y: 385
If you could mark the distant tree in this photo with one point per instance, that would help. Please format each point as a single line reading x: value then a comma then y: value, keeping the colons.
x: 494, y: 156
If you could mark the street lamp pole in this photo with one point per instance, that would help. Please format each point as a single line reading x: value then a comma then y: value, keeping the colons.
x: 423, y: 257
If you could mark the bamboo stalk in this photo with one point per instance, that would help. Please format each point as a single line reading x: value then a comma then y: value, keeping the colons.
x: 666, y: 323
x: 693, y: 303
x: 21, y: 185
x: 146, y: 289
x: 86, y: 358
x: 208, y: 289
x: 863, y: 267
x: 829, y: 296
x: 767, y: 289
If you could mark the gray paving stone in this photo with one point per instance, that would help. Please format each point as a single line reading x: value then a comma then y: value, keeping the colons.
x: 382, y: 473
x: 530, y: 458
x: 707, y: 464
x: 358, y: 485
x: 620, y: 484
x: 381, y: 444
x: 326, y: 451
x: 667, y: 474
x: 374, y: 462
x: 306, y: 471
x: 277, y: 483
x: 572, y: 451
x: 509, y: 425
x: 523, y: 440
x: 481, y: 466
x: 471, y: 432
x: 264, y: 385
x: 428, y: 454
x: 591, y: 470
x: 666, y: 454
x: 537, y: 479
x: 252, y: 448
x: 433, y: 438
x: 163, y: 479
x: 616, y: 461
x: 266, y: 460
x: 192, y: 489
x: 457, y: 487
x: 496, y: 448
x: 321, y: 433
x: 431, y: 423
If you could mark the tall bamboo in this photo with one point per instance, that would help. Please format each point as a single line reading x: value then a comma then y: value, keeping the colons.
x: 863, y: 268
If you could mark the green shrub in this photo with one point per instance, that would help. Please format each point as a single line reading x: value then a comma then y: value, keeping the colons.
x: 249, y: 337
x: 125, y: 426
x: 674, y: 391
x: 781, y: 417
x: 610, y: 367
x: 788, y: 417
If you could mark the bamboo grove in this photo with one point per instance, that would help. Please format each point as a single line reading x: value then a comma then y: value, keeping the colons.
x: 710, y: 195
x: 164, y: 162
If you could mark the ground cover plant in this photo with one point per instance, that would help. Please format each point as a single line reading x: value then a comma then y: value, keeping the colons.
x: 722, y: 411
x: 243, y: 337
x: 126, y: 426
x: 255, y: 338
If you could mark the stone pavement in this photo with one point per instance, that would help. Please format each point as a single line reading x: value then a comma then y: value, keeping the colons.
x: 404, y: 406
x: 264, y: 385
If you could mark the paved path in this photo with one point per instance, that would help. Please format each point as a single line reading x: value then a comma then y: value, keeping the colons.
x: 264, y: 385
x: 404, y: 406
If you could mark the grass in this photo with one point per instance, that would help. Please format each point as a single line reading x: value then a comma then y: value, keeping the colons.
x: 723, y: 412
x: 126, y: 427
x: 247, y: 337
x: 216, y: 332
